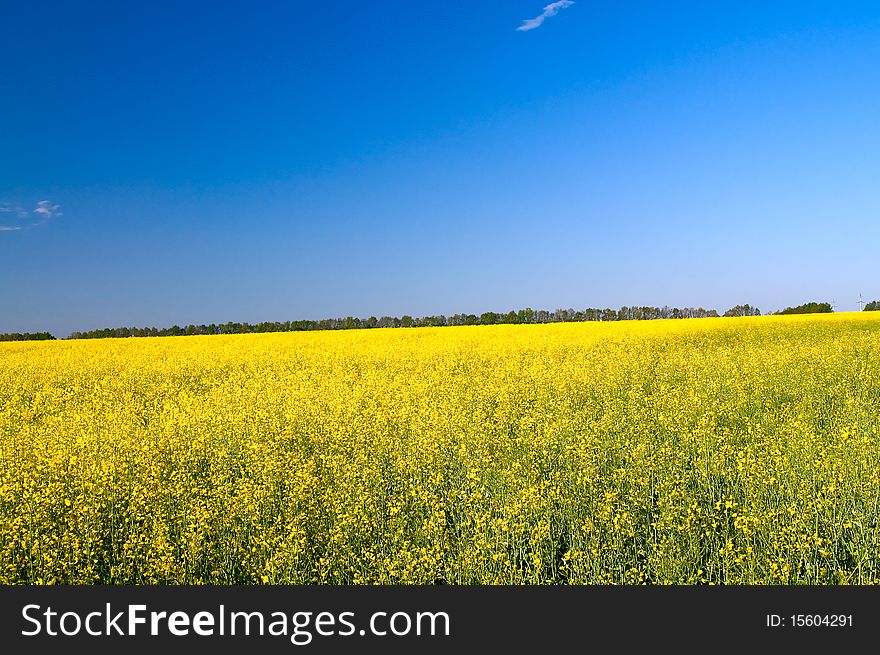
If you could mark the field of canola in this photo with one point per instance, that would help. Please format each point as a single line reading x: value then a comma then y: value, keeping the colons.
x: 717, y: 451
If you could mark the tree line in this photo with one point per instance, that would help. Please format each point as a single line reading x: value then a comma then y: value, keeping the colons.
x: 521, y: 317
x: 26, y: 336
x: 808, y: 308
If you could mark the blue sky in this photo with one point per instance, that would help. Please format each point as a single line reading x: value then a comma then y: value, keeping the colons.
x: 273, y: 161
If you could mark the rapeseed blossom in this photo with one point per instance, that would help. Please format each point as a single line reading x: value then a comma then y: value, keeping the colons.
x: 714, y: 451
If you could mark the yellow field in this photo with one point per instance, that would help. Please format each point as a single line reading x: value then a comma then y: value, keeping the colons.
x: 691, y: 451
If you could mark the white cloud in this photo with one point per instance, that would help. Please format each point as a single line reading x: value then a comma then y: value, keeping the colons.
x: 16, y: 218
x: 549, y: 11
x: 47, y: 209
x: 6, y: 208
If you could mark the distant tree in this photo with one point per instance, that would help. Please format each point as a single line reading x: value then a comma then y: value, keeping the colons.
x: 873, y: 306
x: 27, y: 336
x: 809, y: 308
x: 526, y: 315
x: 743, y: 310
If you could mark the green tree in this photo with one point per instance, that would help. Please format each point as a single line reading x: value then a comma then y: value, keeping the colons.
x: 809, y: 308
x: 743, y: 310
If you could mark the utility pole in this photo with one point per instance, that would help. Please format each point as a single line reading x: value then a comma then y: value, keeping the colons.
x: 861, y: 303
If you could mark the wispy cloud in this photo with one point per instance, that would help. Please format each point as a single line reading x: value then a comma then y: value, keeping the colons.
x: 47, y: 209
x: 549, y: 11
x: 7, y: 208
x: 14, y: 217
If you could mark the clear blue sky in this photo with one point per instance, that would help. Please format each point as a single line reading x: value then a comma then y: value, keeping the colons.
x: 206, y: 162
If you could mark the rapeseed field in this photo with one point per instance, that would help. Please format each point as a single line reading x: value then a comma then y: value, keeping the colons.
x: 713, y: 451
